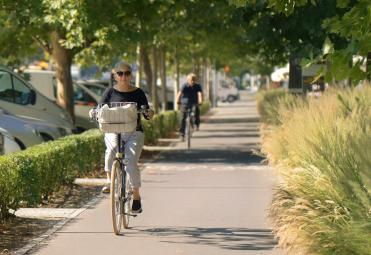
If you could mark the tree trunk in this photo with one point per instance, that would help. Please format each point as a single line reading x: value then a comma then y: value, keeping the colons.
x: 368, y: 67
x: 206, y: 88
x: 196, y: 69
x: 154, y: 80
x: 203, y: 72
x: 267, y: 81
x: 295, y: 76
x: 214, y: 91
x: 147, y: 69
x: 350, y: 64
x: 139, y: 61
x: 176, y: 83
x: 63, y: 60
x: 163, y: 78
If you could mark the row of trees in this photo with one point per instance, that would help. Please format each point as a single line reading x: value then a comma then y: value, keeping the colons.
x: 312, y: 31
x: 153, y: 33
x: 168, y: 36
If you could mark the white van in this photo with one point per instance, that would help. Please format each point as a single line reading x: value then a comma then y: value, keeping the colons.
x: 19, y: 97
x: 84, y: 98
x: 227, y: 91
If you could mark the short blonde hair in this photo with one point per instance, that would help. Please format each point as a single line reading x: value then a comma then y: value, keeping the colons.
x: 122, y: 66
x: 191, y: 76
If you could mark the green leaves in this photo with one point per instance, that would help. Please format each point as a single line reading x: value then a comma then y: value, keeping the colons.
x: 342, y: 3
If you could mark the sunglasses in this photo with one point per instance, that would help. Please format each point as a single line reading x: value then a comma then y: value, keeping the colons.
x: 121, y: 73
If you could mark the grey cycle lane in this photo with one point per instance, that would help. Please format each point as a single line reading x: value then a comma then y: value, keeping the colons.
x: 211, y: 199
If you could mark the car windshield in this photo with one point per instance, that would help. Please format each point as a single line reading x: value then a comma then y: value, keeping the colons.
x: 98, y: 90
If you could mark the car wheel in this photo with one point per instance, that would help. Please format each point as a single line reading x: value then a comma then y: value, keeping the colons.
x: 21, y: 145
x: 230, y: 99
x: 80, y: 130
x: 46, y: 137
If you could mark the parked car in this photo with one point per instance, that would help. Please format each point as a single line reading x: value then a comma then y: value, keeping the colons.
x: 84, y: 99
x: 7, y: 143
x: 228, y: 91
x: 86, y: 95
x: 20, y: 98
x: 47, y: 131
x: 25, y: 134
x: 96, y: 88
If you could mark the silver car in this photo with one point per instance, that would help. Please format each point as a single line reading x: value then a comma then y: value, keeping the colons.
x: 47, y: 131
x: 28, y: 131
x: 7, y: 143
x: 22, y: 99
x: 86, y: 96
x: 96, y: 88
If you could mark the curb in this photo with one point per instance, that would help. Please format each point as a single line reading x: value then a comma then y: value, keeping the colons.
x: 36, y: 241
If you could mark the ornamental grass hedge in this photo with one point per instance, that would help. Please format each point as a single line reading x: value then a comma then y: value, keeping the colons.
x: 321, y: 149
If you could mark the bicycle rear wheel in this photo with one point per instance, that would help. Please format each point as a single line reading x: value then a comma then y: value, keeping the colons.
x: 127, y: 200
x: 116, y: 197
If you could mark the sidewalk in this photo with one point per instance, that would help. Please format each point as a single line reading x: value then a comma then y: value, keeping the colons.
x: 211, y: 199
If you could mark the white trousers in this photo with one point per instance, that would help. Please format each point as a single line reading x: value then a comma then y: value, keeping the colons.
x: 133, y: 147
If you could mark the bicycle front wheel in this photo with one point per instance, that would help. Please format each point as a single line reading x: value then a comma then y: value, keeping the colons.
x: 188, y: 132
x: 127, y: 200
x: 116, y: 197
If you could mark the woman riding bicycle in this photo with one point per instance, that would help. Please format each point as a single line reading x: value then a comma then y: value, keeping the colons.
x: 123, y: 91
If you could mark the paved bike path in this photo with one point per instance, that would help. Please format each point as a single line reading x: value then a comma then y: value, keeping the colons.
x: 211, y: 199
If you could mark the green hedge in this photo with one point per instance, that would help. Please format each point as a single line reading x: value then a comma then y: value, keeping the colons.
x: 322, y: 152
x: 41, y: 169
x: 205, y: 107
x: 30, y: 174
x: 160, y: 126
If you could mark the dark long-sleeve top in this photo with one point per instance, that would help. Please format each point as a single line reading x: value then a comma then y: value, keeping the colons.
x: 136, y: 96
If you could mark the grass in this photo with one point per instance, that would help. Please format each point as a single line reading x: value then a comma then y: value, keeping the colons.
x: 321, y: 148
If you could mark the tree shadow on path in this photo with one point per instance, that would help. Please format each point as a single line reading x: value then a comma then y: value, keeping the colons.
x: 228, y: 156
x: 225, y: 238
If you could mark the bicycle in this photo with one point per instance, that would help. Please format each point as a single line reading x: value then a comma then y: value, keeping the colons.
x: 120, y: 190
x: 189, y: 123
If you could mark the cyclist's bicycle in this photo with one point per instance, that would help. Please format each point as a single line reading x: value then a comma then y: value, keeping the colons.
x: 119, y: 118
x: 189, y: 123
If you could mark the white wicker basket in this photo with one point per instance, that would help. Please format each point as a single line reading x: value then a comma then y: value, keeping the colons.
x: 121, y: 119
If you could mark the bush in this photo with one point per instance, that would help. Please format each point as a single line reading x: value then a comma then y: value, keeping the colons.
x: 28, y: 175
x: 205, y: 107
x: 160, y: 126
x: 322, y: 151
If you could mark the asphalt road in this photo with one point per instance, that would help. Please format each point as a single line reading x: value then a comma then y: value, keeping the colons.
x: 211, y: 199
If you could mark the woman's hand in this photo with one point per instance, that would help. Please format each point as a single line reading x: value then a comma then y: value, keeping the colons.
x: 150, y: 114
x: 92, y: 113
